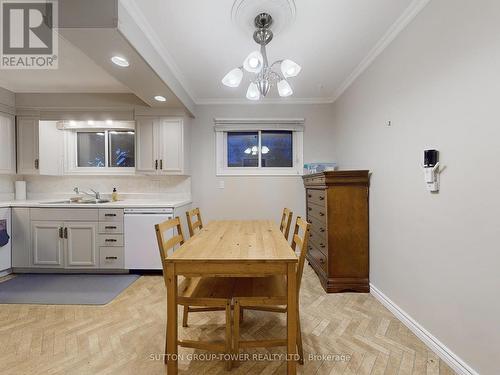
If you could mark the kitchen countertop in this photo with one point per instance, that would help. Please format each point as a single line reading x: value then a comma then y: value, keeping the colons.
x: 128, y: 203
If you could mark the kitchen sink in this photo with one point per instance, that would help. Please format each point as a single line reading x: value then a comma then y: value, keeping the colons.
x: 84, y: 202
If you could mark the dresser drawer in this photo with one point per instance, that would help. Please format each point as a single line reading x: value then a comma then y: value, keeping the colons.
x: 111, y: 228
x: 319, y: 242
x: 316, y: 196
x: 113, y: 215
x: 315, y: 180
x: 112, y: 240
x: 318, y: 226
x: 317, y: 257
x: 317, y: 212
x: 112, y: 257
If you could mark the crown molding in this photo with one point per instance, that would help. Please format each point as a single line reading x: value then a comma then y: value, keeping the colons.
x: 404, y: 20
x: 397, y: 27
x: 243, y: 101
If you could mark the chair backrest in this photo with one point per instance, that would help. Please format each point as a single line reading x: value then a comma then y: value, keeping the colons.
x: 301, y: 226
x: 286, y: 221
x: 194, y: 226
x: 167, y: 243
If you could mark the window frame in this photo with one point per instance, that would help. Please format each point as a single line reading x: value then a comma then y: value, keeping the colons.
x: 224, y: 126
x: 71, y: 139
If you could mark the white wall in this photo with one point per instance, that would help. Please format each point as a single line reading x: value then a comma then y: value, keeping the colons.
x: 254, y: 197
x: 436, y: 256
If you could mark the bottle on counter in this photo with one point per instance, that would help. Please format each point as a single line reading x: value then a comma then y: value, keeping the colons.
x: 114, y: 195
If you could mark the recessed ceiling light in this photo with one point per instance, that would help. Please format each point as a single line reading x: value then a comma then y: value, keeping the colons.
x: 120, y: 61
x: 160, y: 98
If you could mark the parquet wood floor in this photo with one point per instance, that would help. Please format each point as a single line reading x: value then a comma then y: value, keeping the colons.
x: 127, y: 336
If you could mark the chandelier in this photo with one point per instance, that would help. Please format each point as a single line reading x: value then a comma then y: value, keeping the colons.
x: 265, y: 75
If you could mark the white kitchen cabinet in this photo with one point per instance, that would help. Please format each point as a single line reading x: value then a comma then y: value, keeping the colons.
x: 81, y: 243
x: 8, y: 149
x: 47, y: 244
x: 162, y: 146
x: 50, y: 149
x: 27, y: 146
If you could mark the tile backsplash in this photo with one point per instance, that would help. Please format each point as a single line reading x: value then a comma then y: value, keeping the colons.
x: 138, y: 187
x: 7, y: 187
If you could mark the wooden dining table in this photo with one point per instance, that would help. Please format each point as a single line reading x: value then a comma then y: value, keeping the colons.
x: 233, y: 248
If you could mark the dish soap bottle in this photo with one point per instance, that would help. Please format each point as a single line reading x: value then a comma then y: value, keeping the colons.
x: 114, y: 195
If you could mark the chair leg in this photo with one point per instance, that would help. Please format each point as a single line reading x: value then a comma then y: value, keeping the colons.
x: 236, y: 330
x: 185, y: 316
x: 166, y: 346
x: 228, y: 335
x: 300, y: 350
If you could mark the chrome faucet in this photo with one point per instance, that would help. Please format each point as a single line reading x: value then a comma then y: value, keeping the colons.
x: 95, y: 194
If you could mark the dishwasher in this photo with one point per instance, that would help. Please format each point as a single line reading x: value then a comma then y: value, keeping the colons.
x: 141, y: 247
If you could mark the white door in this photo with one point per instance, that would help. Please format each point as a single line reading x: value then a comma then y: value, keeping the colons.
x: 146, y: 146
x: 171, y: 146
x: 27, y: 146
x: 8, y: 147
x: 50, y: 148
x: 47, y: 244
x: 5, y: 251
x: 81, y: 244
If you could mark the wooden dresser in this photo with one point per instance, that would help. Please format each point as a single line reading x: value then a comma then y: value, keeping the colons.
x: 337, y: 208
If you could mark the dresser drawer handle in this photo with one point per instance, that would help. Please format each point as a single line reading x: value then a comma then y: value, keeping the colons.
x: 112, y: 258
x: 322, y: 246
x: 309, y: 208
x: 321, y: 198
x: 110, y: 227
x: 110, y: 215
x: 109, y: 240
x: 322, y: 230
x: 321, y: 214
x: 309, y: 196
x: 321, y: 260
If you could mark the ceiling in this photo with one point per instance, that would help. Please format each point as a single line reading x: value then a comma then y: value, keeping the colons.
x: 333, y: 40
x: 76, y: 73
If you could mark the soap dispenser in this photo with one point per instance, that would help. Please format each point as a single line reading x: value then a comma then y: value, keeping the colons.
x: 114, y: 195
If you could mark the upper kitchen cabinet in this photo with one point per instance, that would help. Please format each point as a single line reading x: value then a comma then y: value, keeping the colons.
x: 40, y: 147
x: 8, y: 149
x: 28, y: 162
x: 162, y: 146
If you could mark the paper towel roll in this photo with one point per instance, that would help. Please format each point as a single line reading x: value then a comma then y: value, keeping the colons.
x: 20, y: 190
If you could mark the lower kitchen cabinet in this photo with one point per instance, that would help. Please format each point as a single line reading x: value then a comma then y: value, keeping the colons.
x: 47, y: 244
x: 81, y: 244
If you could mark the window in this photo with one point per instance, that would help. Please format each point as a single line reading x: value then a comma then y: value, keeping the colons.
x: 250, y: 148
x: 103, y: 151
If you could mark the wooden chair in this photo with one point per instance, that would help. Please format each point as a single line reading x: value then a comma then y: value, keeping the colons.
x: 194, y: 226
x: 269, y: 294
x: 205, y: 293
x: 286, y: 221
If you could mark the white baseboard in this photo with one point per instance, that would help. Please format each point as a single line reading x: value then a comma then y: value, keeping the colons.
x: 454, y: 361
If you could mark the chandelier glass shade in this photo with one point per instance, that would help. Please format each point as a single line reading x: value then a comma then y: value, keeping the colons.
x: 265, y: 75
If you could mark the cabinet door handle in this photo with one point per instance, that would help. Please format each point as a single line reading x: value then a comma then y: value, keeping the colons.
x: 37, y: 164
x: 61, y: 235
x: 109, y: 240
x: 156, y: 164
x: 110, y: 215
x: 66, y: 233
x: 110, y: 227
x: 111, y: 257
x: 161, y: 164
